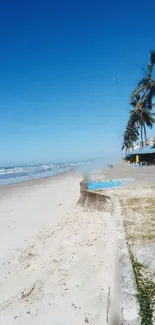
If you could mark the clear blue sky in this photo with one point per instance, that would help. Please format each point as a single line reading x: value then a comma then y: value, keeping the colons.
x: 67, y: 71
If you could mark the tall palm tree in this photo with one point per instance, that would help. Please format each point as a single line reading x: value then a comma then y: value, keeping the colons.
x: 141, y: 99
x: 141, y: 115
x: 145, y: 90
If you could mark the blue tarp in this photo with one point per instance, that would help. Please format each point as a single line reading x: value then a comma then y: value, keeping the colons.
x: 102, y: 185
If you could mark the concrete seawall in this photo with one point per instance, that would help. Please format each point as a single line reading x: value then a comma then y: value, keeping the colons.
x: 122, y: 306
x: 130, y: 306
x: 92, y: 199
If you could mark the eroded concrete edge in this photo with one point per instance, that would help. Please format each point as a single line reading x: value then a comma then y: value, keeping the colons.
x: 130, y: 305
x: 102, y: 202
x: 123, y: 306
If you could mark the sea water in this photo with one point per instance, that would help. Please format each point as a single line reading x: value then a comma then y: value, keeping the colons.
x: 16, y: 174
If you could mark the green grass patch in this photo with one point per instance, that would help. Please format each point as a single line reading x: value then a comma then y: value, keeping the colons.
x: 133, y: 201
x: 145, y: 292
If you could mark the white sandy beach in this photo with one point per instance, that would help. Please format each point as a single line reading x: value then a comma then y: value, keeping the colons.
x: 55, y: 264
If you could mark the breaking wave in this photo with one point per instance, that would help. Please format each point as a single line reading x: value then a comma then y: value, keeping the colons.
x: 9, y: 175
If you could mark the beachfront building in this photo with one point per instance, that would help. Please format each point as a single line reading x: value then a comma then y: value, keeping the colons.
x: 142, y: 156
x: 150, y: 141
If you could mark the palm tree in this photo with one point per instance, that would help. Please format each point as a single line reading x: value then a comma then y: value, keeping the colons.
x: 141, y: 99
x: 141, y: 117
x: 145, y: 90
x: 131, y: 135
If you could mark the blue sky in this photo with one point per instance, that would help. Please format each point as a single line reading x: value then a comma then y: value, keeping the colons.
x: 67, y: 71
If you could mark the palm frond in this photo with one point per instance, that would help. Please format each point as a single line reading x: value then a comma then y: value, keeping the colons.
x: 137, y: 91
x: 143, y: 82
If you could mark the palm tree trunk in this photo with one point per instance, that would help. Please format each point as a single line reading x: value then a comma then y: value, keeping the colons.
x: 145, y: 135
x: 141, y: 131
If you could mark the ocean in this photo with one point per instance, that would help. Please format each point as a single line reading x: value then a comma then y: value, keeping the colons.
x: 16, y: 174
